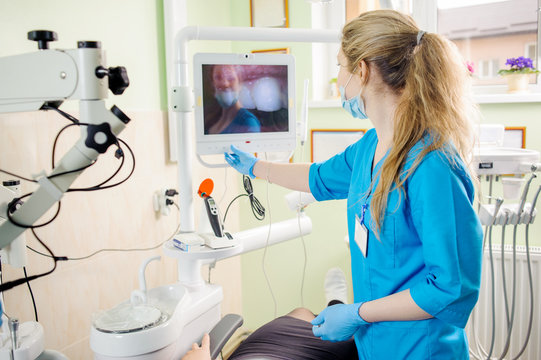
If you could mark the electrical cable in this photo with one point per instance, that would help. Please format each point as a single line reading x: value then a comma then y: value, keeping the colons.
x: 491, y: 180
x: 119, y: 152
x: 56, y: 140
x: 113, y: 249
x: 530, y: 277
x: 493, y: 338
x: 63, y: 113
x: 493, y: 292
x: 18, y: 176
x: 225, y: 187
x: 257, y: 209
x: 513, y: 298
x: 305, y: 257
x: 26, y: 226
x: 267, y: 279
x: 504, y: 281
x: 102, y: 186
x: 15, y: 201
x: 305, y: 263
x: 31, y: 294
x: 481, y: 352
x: 20, y: 281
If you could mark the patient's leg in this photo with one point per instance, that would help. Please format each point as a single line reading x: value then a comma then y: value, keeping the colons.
x: 302, y: 314
x: 291, y: 336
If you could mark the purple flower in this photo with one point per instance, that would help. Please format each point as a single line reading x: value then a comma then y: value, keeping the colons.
x: 519, y: 63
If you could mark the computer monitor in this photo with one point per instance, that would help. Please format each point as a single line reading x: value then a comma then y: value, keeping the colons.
x: 244, y: 99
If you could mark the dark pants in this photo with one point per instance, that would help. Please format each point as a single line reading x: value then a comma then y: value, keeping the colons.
x: 289, y: 338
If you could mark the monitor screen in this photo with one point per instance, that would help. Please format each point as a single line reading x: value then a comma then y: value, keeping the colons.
x: 246, y: 100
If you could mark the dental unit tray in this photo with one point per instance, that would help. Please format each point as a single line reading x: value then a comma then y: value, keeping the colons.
x: 504, y: 160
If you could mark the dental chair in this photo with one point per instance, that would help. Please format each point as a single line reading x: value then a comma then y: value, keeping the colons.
x: 222, y: 332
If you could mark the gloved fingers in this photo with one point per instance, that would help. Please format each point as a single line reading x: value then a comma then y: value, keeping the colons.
x: 243, y: 155
x: 235, y: 149
x: 232, y: 159
x: 318, y: 331
x: 320, y: 319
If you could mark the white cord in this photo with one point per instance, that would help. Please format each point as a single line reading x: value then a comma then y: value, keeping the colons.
x: 305, y: 257
x: 225, y: 187
x: 267, y: 245
x: 302, y: 238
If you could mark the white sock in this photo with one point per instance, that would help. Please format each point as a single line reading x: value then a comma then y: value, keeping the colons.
x: 336, y: 286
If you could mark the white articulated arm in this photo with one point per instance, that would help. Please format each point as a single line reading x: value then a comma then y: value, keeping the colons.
x: 15, y: 253
x: 43, y: 80
x: 95, y: 139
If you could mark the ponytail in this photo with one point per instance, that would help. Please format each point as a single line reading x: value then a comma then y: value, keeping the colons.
x: 426, y: 71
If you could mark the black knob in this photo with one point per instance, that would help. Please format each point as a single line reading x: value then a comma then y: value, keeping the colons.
x: 88, y: 45
x: 120, y: 115
x: 43, y: 37
x: 118, y: 79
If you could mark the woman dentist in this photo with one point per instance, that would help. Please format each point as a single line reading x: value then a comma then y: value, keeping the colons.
x: 415, y: 238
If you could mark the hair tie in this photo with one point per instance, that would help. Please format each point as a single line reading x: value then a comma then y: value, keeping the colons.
x: 420, y: 35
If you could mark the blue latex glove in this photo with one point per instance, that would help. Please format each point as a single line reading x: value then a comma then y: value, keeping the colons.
x: 241, y: 161
x: 338, y: 322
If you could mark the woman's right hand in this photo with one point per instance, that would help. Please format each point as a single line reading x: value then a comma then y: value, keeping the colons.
x: 241, y: 161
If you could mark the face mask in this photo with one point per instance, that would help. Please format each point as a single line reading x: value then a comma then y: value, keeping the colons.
x: 355, y: 105
x: 226, y: 98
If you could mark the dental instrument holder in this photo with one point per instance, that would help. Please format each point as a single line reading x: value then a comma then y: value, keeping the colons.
x: 48, y: 78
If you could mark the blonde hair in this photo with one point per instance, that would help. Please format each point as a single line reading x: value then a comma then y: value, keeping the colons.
x: 432, y: 82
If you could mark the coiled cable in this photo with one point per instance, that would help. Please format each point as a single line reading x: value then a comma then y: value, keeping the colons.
x: 257, y: 209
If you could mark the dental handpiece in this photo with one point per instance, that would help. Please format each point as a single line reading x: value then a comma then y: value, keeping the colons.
x: 14, y: 332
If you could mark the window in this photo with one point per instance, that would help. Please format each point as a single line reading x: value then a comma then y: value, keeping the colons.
x: 488, y: 69
x: 488, y: 32
x: 530, y: 52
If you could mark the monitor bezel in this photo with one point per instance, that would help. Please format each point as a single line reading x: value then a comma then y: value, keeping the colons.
x: 278, y: 141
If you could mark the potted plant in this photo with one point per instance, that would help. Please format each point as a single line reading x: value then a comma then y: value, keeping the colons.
x: 517, y: 75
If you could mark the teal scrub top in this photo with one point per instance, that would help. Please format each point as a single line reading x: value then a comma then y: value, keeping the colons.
x: 430, y: 242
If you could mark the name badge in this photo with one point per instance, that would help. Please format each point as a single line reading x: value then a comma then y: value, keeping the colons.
x: 361, y: 232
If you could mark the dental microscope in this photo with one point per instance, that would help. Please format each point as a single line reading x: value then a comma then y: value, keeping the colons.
x: 43, y: 80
